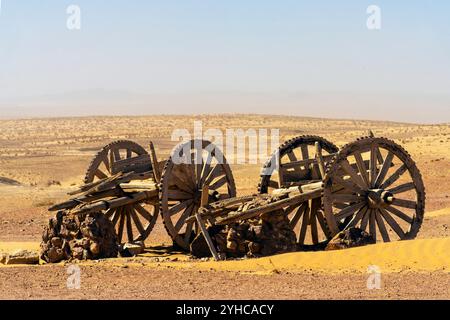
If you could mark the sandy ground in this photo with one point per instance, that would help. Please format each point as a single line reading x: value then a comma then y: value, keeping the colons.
x: 42, y: 159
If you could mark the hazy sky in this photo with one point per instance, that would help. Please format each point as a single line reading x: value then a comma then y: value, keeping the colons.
x: 309, y: 58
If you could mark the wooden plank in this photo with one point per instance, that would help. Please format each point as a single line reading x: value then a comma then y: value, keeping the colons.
x: 237, y: 216
x: 208, y: 239
x: 154, y: 163
x: 320, y: 161
x: 141, y: 163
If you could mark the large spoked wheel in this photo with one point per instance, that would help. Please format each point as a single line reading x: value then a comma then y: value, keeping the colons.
x: 374, y: 184
x: 132, y: 222
x: 296, y: 167
x: 191, y: 167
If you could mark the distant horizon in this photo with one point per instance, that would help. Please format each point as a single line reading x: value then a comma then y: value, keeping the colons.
x: 371, y: 106
x: 48, y: 117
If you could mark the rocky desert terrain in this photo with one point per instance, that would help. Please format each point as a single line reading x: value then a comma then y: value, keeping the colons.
x: 43, y: 159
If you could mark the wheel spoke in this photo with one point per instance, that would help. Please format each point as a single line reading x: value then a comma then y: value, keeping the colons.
x: 404, y: 203
x: 305, y: 153
x: 322, y: 222
x: 399, y: 214
x: 372, y: 225
x: 403, y: 188
x: 219, y: 183
x: 305, y: 222
x: 129, y: 153
x: 198, y: 166
x: 99, y: 174
x: 353, y: 175
x: 189, y: 227
x: 143, y: 212
x: 386, y: 165
x: 347, y: 185
x: 365, y: 219
x: 297, y: 215
x: 359, y: 215
x: 373, y: 165
x: 116, y: 216
x: 349, y: 210
x: 180, y: 206
x: 214, y: 173
x: 394, y: 177
x: 121, y: 225
x: 137, y: 222
x: 106, y: 163
x: 116, y: 155
x: 361, y: 167
x: 382, y: 227
x: 183, y: 218
x: 206, y: 169
x: 109, y: 213
x: 393, y: 224
x: 313, y: 221
x: 177, y: 195
x: 129, y: 227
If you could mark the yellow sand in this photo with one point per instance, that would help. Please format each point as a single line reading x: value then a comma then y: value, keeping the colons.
x: 439, y: 213
x: 415, y: 255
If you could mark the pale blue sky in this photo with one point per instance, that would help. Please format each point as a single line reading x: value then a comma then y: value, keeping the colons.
x: 183, y: 56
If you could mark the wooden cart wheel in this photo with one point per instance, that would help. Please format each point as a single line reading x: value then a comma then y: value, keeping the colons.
x: 307, y: 219
x: 132, y: 222
x: 192, y: 167
x: 374, y: 184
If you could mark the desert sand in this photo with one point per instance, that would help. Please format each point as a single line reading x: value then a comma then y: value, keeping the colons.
x: 42, y: 159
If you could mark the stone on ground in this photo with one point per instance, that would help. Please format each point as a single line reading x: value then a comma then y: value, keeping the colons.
x: 350, y: 238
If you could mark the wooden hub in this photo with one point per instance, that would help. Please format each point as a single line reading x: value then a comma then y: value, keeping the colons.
x: 379, y: 198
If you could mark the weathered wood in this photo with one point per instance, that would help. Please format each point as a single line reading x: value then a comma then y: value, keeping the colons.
x: 139, y: 164
x: 138, y: 187
x: 70, y: 204
x: 319, y: 158
x: 205, y: 196
x: 154, y: 163
x: 306, y: 162
x: 116, y: 202
x: 237, y: 216
x: 208, y: 239
x: 110, y: 182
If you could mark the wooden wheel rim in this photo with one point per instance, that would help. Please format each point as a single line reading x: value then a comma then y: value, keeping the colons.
x: 141, y: 216
x: 104, y: 156
x: 377, y: 218
x: 190, y: 203
x: 308, y: 217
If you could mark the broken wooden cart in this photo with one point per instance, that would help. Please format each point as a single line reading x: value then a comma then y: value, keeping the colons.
x: 371, y: 183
